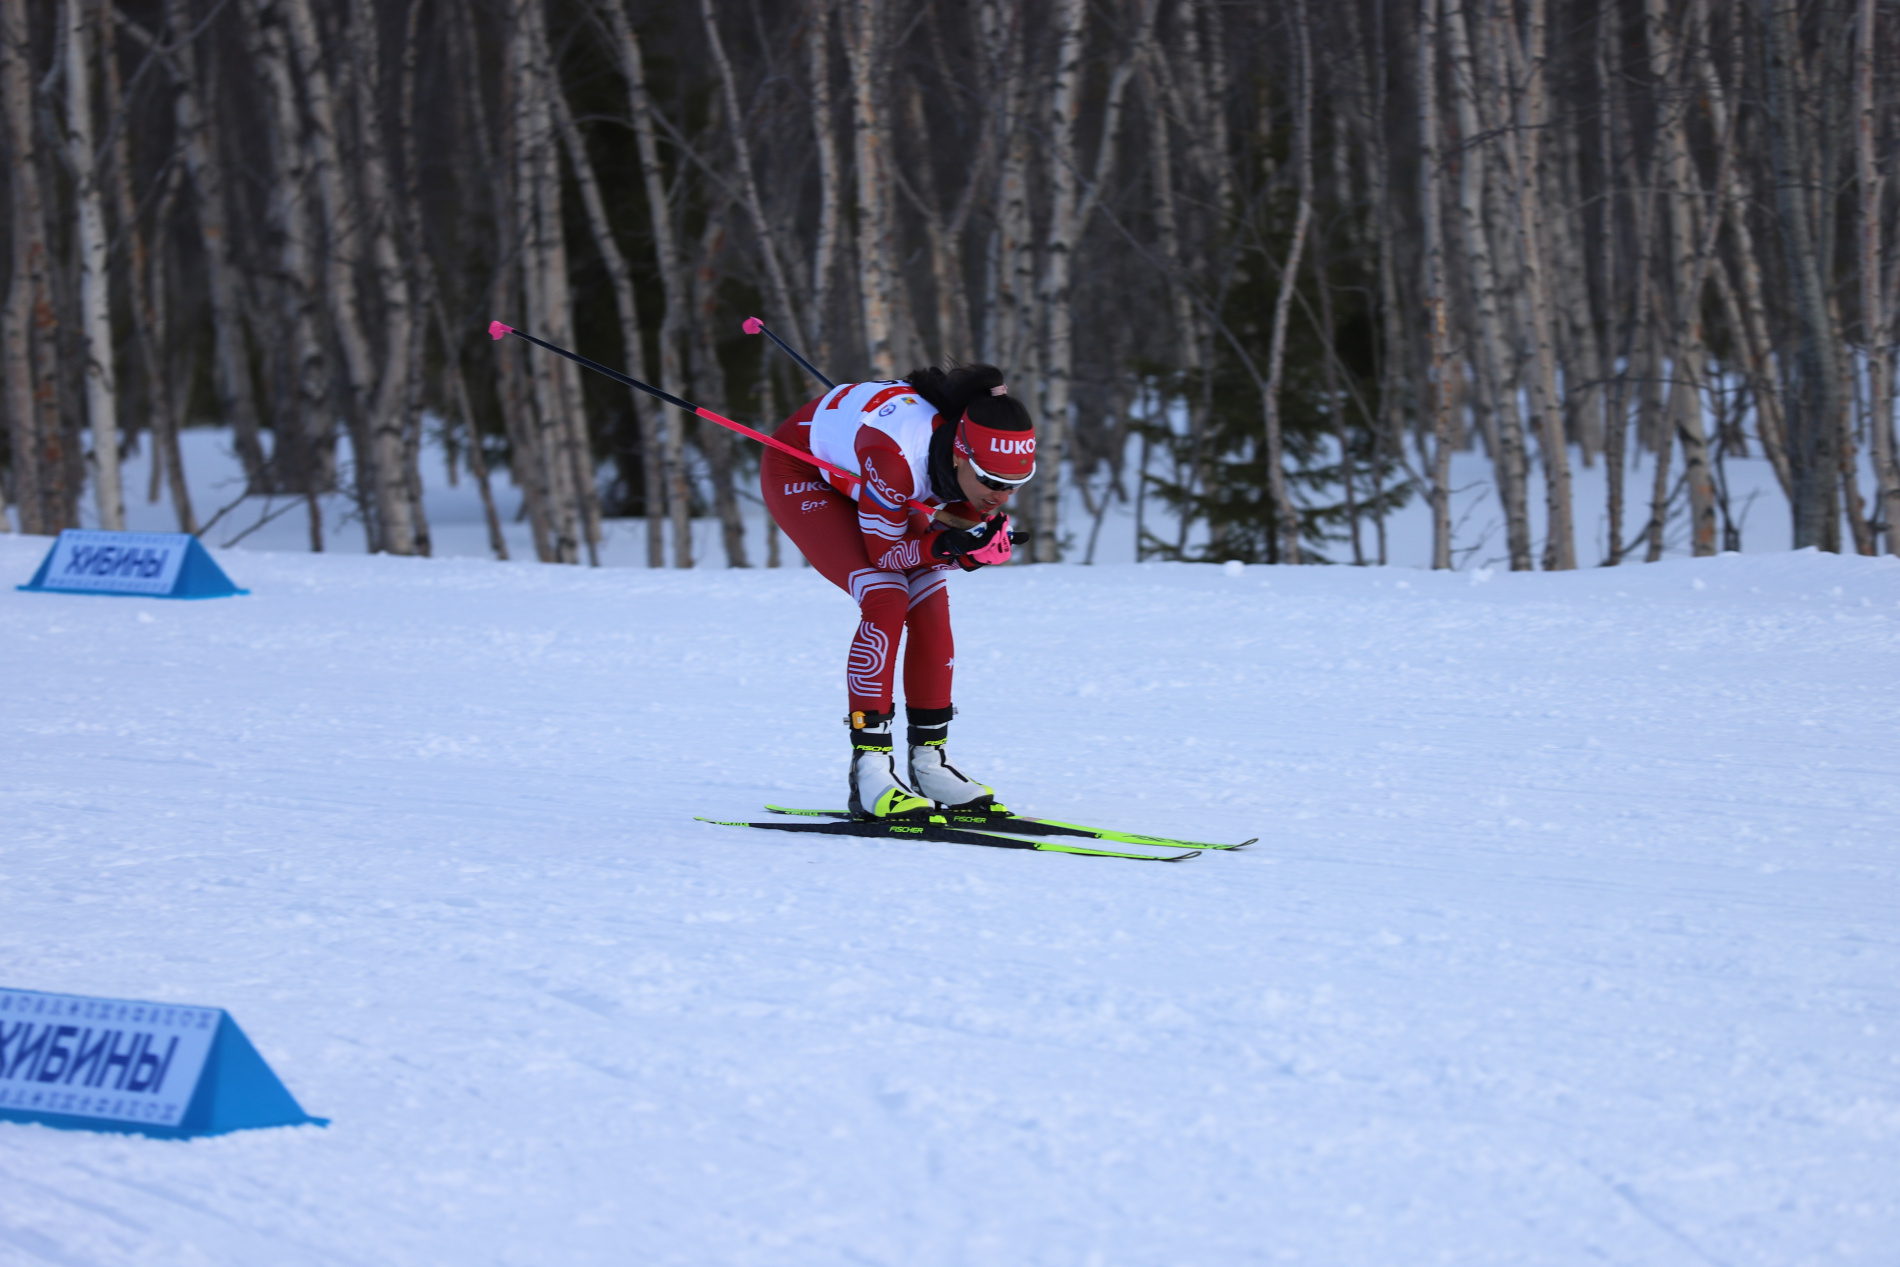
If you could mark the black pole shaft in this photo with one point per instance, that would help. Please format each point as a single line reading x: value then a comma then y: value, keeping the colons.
x: 497, y: 330
x: 635, y: 383
x: 787, y: 349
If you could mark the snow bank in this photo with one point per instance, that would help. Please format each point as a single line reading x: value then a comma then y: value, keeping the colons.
x: 1570, y: 937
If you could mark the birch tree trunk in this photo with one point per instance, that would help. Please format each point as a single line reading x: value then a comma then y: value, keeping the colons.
x: 1193, y: 355
x: 1107, y: 144
x: 517, y: 415
x: 877, y: 244
x: 1864, y: 533
x: 673, y: 283
x: 396, y: 511
x: 543, y: 273
x: 1202, y: 95
x: 149, y: 326
x: 232, y: 375
x: 1582, y: 351
x: 1651, y: 417
x: 1560, y: 548
x: 1756, y: 370
x: 1188, y: 98
x: 1814, y: 395
x: 342, y: 242
x: 60, y: 475
x: 1286, y: 515
x: 1825, y: 162
x: 1642, y: 343
x: 1059, y: 258
x: 946, y: 247
x: 632, y: 343
x: 132, y: 240
x: 787, y: 311
x: 1187, y: 343
x: 1616, y: 411
x: 1392, y: 360
x: 1009, y: 321
x: 824, y: 257
x: 1070, y: 207
x: 1167, y: 223
x: 531, y: 398
x: 1431, y: 213
x: 717, y: 443
x: 102, y: 386
x: 570, y: 438
x: 412, y: 433
x: 26, y: 277
x: 1686, y: 353
x: 458, y: 396
x: 298, y: 261
x: 164, y: 263
x: 1743, y: 298
x: 1873, y: 313
x: 1493, y: 359
x: 1335, y: 395
x: 479, y: 169
x: 421, y: 270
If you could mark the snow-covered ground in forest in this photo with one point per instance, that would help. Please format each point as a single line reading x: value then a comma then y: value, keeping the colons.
x: 1573, y: 934
x: 459, y: 529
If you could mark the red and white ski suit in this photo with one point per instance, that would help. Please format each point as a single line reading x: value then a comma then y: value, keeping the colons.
x: 863, y: 537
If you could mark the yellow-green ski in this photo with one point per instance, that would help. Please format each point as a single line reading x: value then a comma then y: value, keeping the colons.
x: 999, y: 819
x: 932, y: 829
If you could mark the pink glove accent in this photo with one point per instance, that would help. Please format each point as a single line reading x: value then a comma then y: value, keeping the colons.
x: 496, y: 330
x: 752, y: 325
x: 997, y: 551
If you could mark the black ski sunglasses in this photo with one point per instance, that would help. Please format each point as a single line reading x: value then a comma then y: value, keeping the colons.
x: 991, y: 482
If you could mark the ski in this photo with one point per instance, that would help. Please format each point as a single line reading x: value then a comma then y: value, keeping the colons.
x: 1017, y: 824
x: 915, y: 829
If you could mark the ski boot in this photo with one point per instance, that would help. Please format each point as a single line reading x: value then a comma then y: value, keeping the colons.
x: 931, y: 773
x: 876, y: 791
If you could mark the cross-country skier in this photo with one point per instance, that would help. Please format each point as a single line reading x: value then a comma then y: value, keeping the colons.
x: 956, y: 441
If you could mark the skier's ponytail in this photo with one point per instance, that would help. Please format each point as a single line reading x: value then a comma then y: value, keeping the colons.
x: 976, y: 390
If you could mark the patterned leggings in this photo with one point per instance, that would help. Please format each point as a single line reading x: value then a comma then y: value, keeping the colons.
x: 823, y: 524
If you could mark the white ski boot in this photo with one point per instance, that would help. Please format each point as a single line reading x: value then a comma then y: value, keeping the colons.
x: 876, y: 791
x: 931, y: 774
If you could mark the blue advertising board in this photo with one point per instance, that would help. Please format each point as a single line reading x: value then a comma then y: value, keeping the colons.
x: 145, y: 1068
x: 149, y: 564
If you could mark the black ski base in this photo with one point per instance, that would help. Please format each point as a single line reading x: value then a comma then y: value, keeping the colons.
x: 914, y: 829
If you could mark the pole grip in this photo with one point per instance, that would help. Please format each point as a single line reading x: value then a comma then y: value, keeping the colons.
x: 752, y: 325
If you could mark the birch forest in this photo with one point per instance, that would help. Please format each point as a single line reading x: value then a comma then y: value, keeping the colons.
x: 1259, y: 267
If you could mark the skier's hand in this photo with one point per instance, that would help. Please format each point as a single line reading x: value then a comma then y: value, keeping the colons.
x: 998, y: 550
x: 972, y: 548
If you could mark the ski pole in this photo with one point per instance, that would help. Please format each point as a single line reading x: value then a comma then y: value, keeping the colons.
x: 752, y: 325
x: 496, y: 330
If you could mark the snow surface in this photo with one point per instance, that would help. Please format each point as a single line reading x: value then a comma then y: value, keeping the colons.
x: 1571, y: 937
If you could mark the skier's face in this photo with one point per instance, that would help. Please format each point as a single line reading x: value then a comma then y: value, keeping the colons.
x: 986, y: 500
